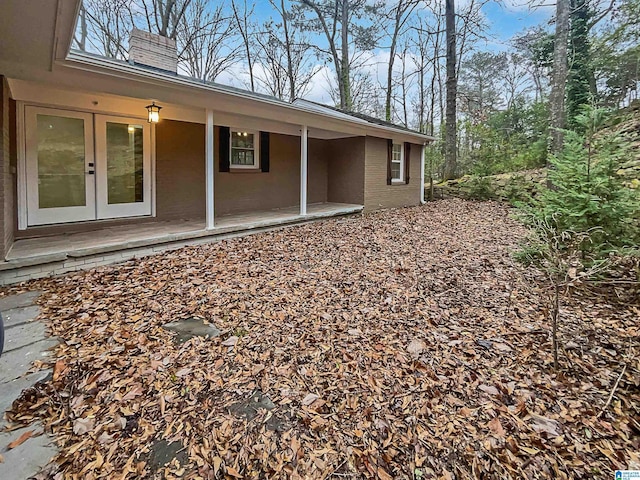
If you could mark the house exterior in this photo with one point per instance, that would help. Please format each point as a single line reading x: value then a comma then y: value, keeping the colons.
x: 79, y: 154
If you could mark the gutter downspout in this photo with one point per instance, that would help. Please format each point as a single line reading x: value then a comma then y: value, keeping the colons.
x: 422, y: 152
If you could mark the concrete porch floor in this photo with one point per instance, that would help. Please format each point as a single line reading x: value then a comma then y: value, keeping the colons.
x: 38, y: 257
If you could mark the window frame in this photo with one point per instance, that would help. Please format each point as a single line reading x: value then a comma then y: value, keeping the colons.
x: 256, y: 149
x: 401, y: 178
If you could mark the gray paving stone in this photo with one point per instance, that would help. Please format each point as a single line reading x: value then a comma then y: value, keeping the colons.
x: 11, y: 390
x: 20, y: 300
x: 14, y: 364
x: 20, y: 315
x: 27, y: 459
x: 163, y: 452
x: 22, y: 335
x: 191, y: 327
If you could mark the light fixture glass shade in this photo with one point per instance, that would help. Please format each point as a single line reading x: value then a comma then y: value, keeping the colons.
x: 154, y: 112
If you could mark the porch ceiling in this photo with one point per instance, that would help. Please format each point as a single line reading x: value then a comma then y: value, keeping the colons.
x: 34, y: 92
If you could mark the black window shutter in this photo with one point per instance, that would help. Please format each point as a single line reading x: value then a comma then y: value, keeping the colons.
x: 223, y: 148
x: 407, y: 161
x: 264, y: 151
x: 389, y: 156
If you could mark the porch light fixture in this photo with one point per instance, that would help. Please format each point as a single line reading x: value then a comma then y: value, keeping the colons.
x: 154, y: 112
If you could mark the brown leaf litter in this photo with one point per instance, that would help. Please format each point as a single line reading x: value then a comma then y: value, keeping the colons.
x: 401, y: 344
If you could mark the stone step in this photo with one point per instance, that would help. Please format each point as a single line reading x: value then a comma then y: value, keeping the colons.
x: 11, y: 390
x: 19, y: 315
x: 23, y: 335
x: 20, y: 300
x: 16, y: 363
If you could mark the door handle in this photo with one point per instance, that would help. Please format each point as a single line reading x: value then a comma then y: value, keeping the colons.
x: 91, y: 172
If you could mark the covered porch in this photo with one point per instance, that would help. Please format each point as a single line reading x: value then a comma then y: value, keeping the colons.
x: 61, y: 253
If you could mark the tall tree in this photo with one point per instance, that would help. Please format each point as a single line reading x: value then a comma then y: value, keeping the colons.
x: 242, y: 14
x: 451, y: 142
x: 559, y: 77
x: 349, y: 28
x: 399, y: 14
x: 581, y: 83
x: 205, y: 37
x: 164, y: 16
x: 479, y: 82
x: 287, y: 66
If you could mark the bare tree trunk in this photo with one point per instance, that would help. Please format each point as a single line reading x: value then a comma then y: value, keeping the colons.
x: 554, y: 322
x: 559, y: 78
x: 243, y: 27
x: 290, y: 67
x: 346, y: 102
x: 450, y: 160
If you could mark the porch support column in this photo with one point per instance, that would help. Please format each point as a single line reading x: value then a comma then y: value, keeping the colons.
x: 209, y: 169
x: 303, y: 170
x: 422, y: 152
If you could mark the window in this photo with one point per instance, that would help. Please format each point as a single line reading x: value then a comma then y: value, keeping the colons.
x: 244, y: 151
x: 397, y: 163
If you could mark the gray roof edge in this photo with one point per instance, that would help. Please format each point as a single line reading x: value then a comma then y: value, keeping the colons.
x: 85, y: 59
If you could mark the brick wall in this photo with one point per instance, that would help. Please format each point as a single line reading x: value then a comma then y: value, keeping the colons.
x: 7, y: 219
x: 180, y: 170
x: 346, y: 170
x: 153, y: 50
x: 377, y: 194
x: 247, y: 191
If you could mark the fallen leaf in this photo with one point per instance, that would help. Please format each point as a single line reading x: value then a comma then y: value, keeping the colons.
x: 416, y: 347
x: 544, y: 424
x: 491, y: 390
x: 233, y: 472
x: 230, y: 342
x: 496, y: 427
x: 21, y: 439
x: 309, y: 399
x: 83, y: 425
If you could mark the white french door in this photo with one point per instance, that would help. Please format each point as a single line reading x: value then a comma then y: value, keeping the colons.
x: 59, y: 155
x: 123, y: 180
x: 81, y: 166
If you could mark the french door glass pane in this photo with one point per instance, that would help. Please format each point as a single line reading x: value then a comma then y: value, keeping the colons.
x: 61, y: 152
x: 124, y: 163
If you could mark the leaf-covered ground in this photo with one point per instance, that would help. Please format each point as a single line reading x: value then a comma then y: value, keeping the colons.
x: 401, y: 344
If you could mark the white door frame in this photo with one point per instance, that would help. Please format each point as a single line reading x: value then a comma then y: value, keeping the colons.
x: 27, y: 205
x: 103, y: 209
x: 48, y: 216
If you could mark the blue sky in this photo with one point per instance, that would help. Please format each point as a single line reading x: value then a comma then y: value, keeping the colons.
x: 512, y: 18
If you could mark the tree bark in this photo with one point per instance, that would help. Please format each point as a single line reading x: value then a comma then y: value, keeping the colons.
x: 346, y: 102
x: 559, y: 78
x: 450, y: 160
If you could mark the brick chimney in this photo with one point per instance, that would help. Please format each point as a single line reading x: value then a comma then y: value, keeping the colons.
x: 153, y: 50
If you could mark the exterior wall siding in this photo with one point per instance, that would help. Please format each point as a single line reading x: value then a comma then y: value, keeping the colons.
x: 242, y: 191
x: 346, y: 165
x: 377, y: 194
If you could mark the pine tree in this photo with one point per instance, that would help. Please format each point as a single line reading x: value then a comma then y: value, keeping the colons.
x: 588, y: 197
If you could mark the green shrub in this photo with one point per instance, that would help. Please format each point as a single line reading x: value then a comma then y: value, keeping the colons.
x: 480, y: 188
x: 587, y: 196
